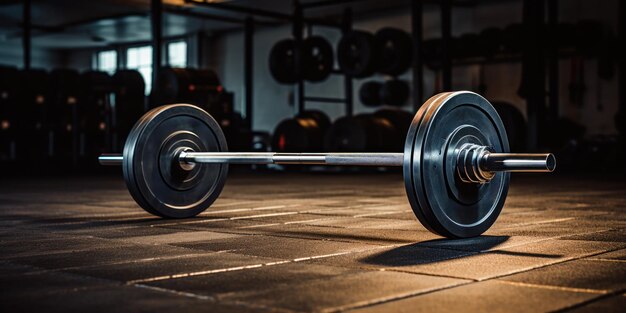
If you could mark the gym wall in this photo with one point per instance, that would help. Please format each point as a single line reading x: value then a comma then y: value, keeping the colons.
x: 274, y: 102
x: 271, y: 99
x: 41, y: 58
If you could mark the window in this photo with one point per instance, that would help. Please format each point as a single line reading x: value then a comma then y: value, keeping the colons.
x: 177, y: 54
x: 140, y: 59
x: 106, y: 61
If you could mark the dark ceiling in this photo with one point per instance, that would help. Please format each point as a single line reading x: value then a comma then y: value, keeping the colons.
x: 60, y: 24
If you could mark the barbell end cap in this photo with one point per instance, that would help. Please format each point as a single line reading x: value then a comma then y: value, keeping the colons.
x: 518, y: 162
x: 110, y: 159
x: 550, y: 162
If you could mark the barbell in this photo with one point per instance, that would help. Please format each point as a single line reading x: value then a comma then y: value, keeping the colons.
x: 456, y: 162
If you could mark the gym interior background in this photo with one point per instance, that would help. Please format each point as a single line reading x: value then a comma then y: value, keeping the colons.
x: 309, y: 76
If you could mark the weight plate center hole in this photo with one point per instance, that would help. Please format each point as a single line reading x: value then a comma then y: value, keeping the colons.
x: 185, y: 166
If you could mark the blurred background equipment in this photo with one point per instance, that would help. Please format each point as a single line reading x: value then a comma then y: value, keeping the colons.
x: 369, y: 93
x: 514, y: 124
x: 130, y: 103
x: 394, y: 92
x: 75, y: 84
x: 187, y: 85
x: 95, y: 121
x: 64, y: 114
x: 284, y: 58
x: 383, y: 131
x: 33, y: 121
x: 8, y: 115
x: 203, y: 88
x: 303, y: 133
x: 317, y: 58
x: 357, y: 53
x: 395, y: 50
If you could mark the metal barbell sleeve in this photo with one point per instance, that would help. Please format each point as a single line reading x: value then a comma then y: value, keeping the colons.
x: 479, y: 164
x: 110, y: 159
x: 518, y: 162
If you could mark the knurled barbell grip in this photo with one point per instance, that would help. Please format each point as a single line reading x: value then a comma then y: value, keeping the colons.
x: 363, y: 159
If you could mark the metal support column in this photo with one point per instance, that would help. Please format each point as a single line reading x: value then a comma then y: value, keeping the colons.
x: 248, y: 64
x: 446, y: 44
x: 347, y: 83
x: 156, y: 18
x: 553, y: 63
x: 620, y: 118
x: 26, y: 37
x: 417, y: 26
x: 622, y: 57
x: 297, y: 30
x: 533, y: 70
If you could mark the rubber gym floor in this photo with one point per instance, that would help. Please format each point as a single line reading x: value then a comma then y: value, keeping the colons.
x: 287, y: 242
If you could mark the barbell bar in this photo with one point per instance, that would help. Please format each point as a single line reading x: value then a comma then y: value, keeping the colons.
x: 490, y: 162
x: 455, y: 162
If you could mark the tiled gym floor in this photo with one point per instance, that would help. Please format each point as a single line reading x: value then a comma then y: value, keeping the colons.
x: 308, y: 242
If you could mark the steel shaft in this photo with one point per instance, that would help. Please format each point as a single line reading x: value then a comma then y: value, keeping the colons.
x: 364, y: 159
x: 492, y: 162
x: 110, y: 159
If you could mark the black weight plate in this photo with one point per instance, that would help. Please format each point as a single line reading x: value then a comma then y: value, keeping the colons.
x: 514, y: 38
x: 175, y: 85
x: 369, y: 93
x: 129, y: 101
x: 432, y: 50
x: 363, y: 133
x: 9, y: 86
x: 620, y: 121
x: 347, y: 134
x: 129, y: 83
x: 96, y: 82
x: 563, y: 36
x: 303, y: 133
x: 172, y: 85
x: 466, y: 46
x: 322, y: 120
x: 317, y: 55
x: 153, y: 176
x: 490, y: 41
x: 589, y: 34
x: 442, y: 203
x: 401, y: 120
x: 297, y: 135
x: 284, y: 62
x: 357, y: 54
x: 395, y: 50
x: 394, y: 92
x: 514, y: 123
